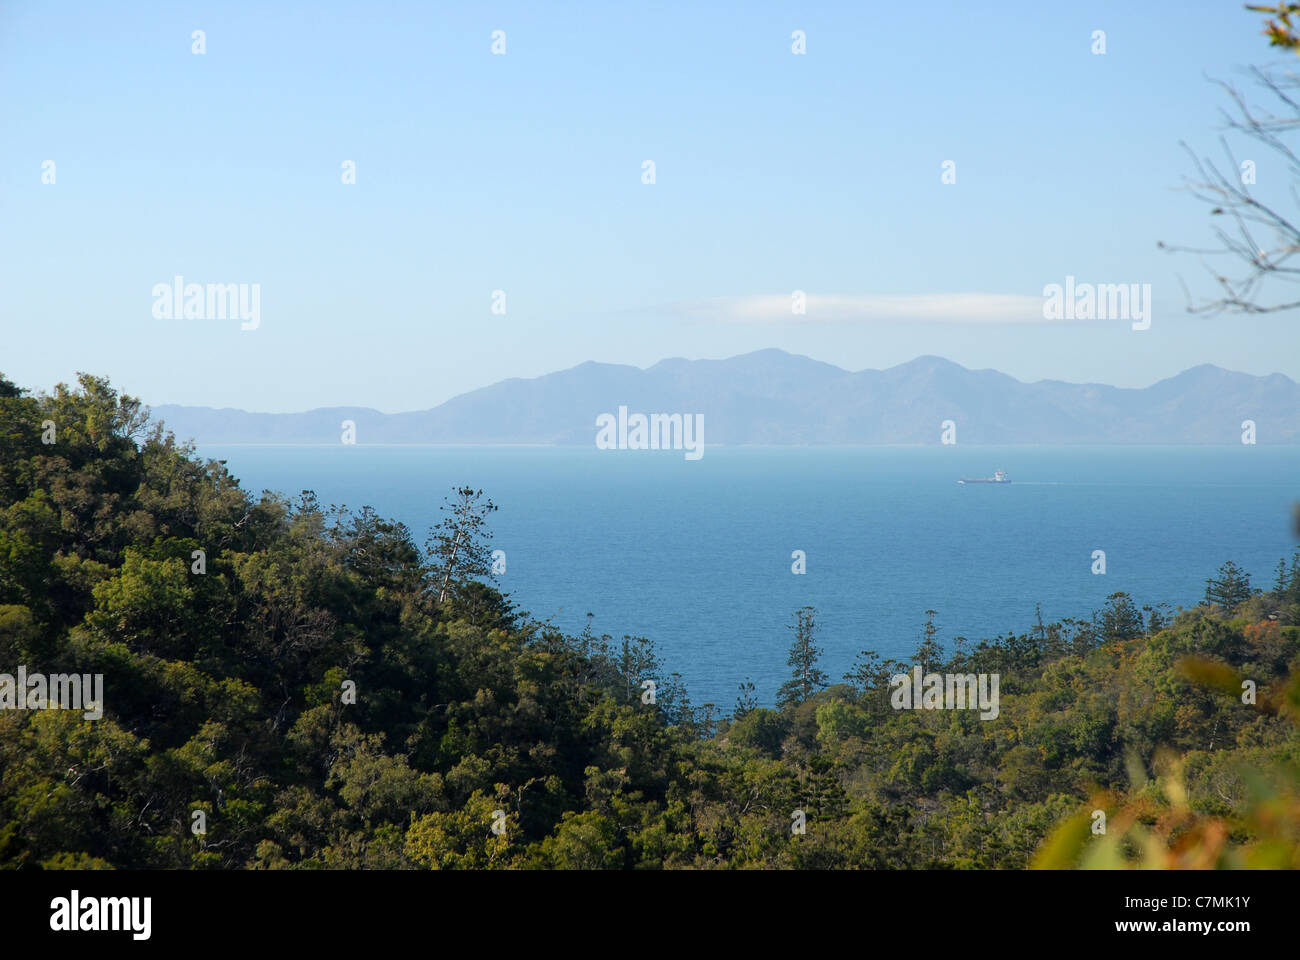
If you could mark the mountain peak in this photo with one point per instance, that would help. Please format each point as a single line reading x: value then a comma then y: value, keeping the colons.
x: 927, y: 363
x: 774, y: 397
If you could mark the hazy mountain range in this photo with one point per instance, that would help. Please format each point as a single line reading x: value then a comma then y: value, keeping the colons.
x: 773, y: 397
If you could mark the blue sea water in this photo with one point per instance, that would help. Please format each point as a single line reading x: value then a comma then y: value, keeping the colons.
x: 696, y: 555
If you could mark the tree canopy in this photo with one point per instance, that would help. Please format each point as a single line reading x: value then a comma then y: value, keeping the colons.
x: 289, y: 685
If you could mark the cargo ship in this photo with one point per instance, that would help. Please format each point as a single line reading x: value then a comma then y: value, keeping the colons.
x: 998, y: 477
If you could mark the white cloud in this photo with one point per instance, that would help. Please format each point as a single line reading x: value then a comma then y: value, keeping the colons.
x: 963, y: 308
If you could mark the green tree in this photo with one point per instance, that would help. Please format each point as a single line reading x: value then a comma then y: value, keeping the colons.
x: 1120, y: 619
x: 473, y: 740
x: 747, y: 702
x: 1230, y: 588
x: 870, y: 676
x: 460, y: 544
x: 1157, y: 616
x: 806, y: 678
x: 929, y: 652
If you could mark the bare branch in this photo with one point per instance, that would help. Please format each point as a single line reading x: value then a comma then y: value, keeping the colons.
x: 1263, y: 240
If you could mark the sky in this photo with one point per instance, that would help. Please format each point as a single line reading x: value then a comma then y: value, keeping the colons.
x: 524, y: 172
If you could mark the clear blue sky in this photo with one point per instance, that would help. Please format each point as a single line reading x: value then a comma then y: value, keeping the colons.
x: 522, y: 172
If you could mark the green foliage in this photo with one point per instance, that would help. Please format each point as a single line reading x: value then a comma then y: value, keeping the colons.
x: 806, y: 677
x: 1120, y: 619
x: 747, y: 702
x: 1230, y: 589
x: 480, y: 739
x: 460, y: 545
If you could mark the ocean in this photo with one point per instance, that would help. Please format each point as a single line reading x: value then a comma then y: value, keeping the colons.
x: 697, y: 555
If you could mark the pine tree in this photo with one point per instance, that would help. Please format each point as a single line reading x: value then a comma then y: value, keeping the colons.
x: 929, y: 653
x: 747, y: 702
x: 460, y: 544
x: 639, y: 661
x: 1120, y: 619
x: 871, y: 676
x: 1230, y: 589
x: 1157, y: 617
x: 807, y: 679
x: 866, y: 670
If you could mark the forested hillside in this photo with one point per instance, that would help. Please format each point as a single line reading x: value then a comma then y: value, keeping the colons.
x: 314, y: 690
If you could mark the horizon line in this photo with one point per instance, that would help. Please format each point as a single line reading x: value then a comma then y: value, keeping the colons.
x: 739, y: 356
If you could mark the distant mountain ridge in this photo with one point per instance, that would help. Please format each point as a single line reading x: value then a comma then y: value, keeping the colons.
x: 777, y: 398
